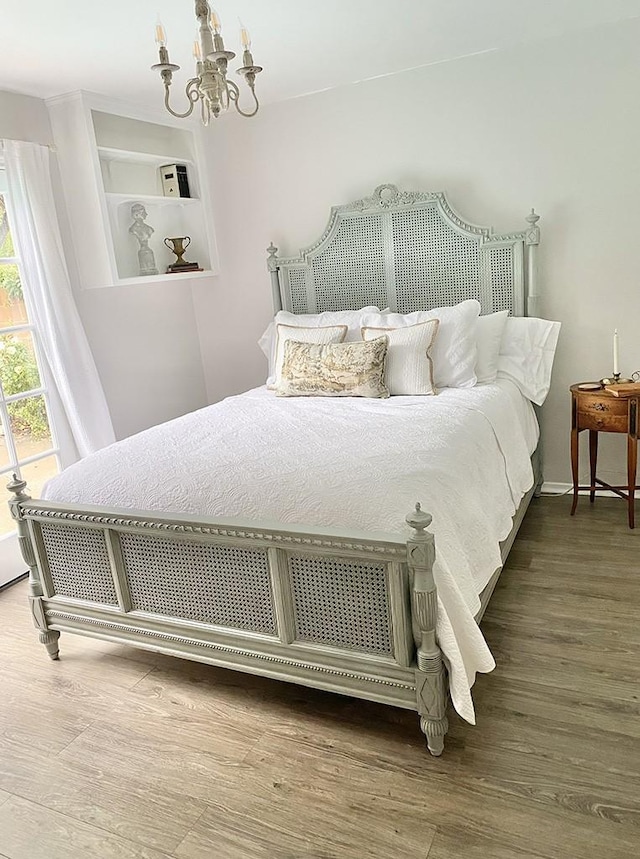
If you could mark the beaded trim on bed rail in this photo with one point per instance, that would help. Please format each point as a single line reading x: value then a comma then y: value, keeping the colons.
x: 408, y: 251
x: 259, y: 535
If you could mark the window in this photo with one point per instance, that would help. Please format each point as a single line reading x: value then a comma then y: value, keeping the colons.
x: 27, y: 439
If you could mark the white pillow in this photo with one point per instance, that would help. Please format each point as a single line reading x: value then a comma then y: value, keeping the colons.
x: 302, y: 334
x: 454, y: 352
x: 489, y: 335
x: 526, y: 355
x: 409, y: 369
x: 351, y: 318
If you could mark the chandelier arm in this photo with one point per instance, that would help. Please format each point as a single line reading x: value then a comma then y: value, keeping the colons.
x: 191, y: 91
x: 234, y: 95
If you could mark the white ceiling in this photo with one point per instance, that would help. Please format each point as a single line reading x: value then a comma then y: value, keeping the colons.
x: 48, y: 48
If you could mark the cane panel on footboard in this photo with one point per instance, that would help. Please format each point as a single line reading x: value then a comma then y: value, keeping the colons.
x: 347, y: 603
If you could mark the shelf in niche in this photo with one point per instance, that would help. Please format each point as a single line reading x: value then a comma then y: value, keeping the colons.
x: 164, y: 278
x: 149, y: 198
x: 109, y: 153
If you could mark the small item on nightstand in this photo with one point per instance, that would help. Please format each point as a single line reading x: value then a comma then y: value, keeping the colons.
x: 631, y: 389
x: 178, y: 247
x: 614, y: 380
x: 590, y: 386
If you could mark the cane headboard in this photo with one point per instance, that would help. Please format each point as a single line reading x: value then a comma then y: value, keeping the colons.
x: 407, y: 251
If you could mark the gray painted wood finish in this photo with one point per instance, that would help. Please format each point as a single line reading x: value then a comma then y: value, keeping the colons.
x: 245, y: 768
x: 408, y: 250
x: 413, y: 251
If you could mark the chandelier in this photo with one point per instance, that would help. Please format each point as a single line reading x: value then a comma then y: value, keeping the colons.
x: 210, y: 86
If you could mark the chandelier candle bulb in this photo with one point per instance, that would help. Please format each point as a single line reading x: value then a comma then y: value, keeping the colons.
x: 215, y: 22
x: 197, y: 53
x: 245, y: 38
x: 161, y: 36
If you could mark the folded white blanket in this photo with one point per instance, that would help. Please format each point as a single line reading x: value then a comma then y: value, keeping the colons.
x: 355, y: 463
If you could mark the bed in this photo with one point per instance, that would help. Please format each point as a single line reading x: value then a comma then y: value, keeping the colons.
x: 254, y: 573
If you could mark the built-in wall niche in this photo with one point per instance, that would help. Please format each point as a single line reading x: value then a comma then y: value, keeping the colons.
x: 131, y: 154
x: 167, y: 221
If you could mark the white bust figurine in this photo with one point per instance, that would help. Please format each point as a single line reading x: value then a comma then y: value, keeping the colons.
x: 143, y: 233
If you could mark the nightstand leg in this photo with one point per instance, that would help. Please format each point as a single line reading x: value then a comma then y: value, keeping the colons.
x: 574, y: 466
x: 593, y: 460
x: 632, y: 459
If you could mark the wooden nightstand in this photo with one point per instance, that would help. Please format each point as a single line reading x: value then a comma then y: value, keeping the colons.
x: 601, y: 411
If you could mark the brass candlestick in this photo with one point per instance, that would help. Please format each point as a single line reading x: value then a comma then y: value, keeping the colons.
x: 615, y: 379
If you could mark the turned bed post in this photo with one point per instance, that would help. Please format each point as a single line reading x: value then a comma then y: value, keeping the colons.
x: 431, y: 696
x: 46, y: 636
x: 532, y: 240
x: 272, y: 265
x: 532, y: 308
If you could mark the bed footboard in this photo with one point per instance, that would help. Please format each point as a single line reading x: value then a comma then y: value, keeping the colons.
x: 349, y: 613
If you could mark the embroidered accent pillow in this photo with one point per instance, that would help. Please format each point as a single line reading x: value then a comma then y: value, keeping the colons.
x: 327, y: 334
x: 409, y: 369
x: 334, y: 369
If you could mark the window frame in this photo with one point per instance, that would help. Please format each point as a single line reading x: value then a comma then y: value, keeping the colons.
x: 15, y: 462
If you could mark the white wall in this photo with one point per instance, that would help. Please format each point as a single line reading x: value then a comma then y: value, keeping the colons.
x: 145, y: 342
x: 555, y: 125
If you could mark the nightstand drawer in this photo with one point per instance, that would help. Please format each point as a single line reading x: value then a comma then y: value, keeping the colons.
x: 603, y: 406
x: 603, y: 421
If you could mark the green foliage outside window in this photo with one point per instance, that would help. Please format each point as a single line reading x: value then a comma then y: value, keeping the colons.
x: 6, y: 245
x: 19, y: 372
x: 10, y: 282
x: 9, y: 277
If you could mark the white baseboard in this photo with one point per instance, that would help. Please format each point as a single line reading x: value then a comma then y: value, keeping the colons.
x: 550, y: 488
x: 556, y: 488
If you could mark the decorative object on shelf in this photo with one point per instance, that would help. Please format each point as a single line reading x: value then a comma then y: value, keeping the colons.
x: 210, y: 86
x: 175, y: 182
x: 143, y: 233
x: 178, y: 246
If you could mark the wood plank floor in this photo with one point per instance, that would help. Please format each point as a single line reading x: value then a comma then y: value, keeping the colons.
x: 114, y: 752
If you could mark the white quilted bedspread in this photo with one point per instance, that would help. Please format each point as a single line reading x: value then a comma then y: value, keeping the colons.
x: 355, y: 463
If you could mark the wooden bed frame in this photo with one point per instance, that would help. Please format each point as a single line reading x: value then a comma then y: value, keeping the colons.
x: 353, y: 613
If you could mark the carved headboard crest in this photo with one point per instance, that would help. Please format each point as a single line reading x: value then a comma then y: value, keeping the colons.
x: 408, y: 250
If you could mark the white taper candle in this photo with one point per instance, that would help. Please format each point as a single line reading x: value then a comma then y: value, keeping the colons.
x: 616, y: 353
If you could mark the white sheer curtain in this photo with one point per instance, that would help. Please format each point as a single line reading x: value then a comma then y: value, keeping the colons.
x: 49, y: 297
